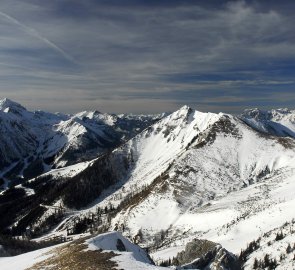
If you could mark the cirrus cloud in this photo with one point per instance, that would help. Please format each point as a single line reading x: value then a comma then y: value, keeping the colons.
x: 213, y: 55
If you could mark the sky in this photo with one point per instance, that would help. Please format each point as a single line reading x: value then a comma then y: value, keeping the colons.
x: 147, y: 56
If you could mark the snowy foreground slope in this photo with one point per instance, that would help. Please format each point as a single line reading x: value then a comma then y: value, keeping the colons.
x: 189, y: 176
x: 106, y: 251
x: 275, y: 248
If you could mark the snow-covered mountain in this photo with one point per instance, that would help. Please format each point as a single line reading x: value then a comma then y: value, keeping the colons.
x: 204, y: 173
x: 280, y: 122
x: 188, y: 176
x: 201, y: 159
x: 35, y: 142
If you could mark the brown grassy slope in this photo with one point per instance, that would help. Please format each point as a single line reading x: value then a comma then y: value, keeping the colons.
x: 75, y: 256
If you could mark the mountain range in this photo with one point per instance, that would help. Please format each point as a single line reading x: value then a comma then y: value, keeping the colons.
x: 187, y: 189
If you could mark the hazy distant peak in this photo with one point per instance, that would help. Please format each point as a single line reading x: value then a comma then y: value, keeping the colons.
x: 8, y: 105
x: 269, y: 115
x: 279, y: 122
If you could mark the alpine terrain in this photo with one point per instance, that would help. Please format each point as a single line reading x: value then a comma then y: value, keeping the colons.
x: 181, y: 190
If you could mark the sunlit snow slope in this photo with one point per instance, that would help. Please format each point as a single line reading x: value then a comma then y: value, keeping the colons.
x: 203, y: 175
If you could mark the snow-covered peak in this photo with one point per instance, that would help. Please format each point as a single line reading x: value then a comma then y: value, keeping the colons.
x: 187, y: 116
x: 274, y: 114
x: 185, y: 108
x: 279, y: 122
x: 181, y: 115
x: 58, y: 140
x: 184, y: 111
x: 8, y: 105
x: 88, y: 114
x: 101, y: 118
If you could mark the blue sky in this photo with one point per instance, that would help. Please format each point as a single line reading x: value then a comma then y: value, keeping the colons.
x: 147, y: 56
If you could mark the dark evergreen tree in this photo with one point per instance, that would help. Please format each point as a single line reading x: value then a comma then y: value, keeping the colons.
x: 279, y: 236
x: 266, y: 261
x: 288, y: 249
x: 256, y: 264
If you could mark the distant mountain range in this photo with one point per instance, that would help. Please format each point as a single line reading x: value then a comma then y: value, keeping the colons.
x: 194, y: 190
x: 35, y: 142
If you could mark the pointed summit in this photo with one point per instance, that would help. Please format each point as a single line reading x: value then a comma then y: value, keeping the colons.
x: 8, y: 105
x: 183, y: 112
x: 185, y: 108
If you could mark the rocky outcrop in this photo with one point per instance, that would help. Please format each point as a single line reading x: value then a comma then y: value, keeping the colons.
x: 205, y: 255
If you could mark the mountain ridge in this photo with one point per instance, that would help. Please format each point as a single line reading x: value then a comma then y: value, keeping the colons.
x: 34, y: 142
x: 189, y: 175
